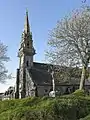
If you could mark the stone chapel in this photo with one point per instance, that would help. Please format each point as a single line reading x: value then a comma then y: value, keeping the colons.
x: 33, y: 78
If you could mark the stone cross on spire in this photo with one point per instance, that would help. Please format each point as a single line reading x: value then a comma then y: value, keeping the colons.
x: 26, y: 25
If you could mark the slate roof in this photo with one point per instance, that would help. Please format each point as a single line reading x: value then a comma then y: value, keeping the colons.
x: 1, y: 95
x: 46, y: 66
x: 41, y: 75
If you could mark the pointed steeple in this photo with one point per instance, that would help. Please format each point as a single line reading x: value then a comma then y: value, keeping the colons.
x: 26, y: 25
x: 26, y: 40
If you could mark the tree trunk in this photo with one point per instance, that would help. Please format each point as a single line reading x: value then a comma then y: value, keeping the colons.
x: 83, y: 77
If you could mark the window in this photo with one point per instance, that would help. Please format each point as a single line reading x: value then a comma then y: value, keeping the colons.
x: 45, y: 90
x: 28, y: 44
x: 27, y: 63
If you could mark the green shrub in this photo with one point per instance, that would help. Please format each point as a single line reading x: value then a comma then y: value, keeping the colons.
x: 86, y: 118
x: 79, y: 93
x: 69, y: 107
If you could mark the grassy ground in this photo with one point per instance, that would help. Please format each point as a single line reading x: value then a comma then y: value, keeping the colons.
x: 70, y: 107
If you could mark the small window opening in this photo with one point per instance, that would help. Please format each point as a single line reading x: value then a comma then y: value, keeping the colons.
x: 45, y: 90
x: 27, y: 63
x: 28, y: 44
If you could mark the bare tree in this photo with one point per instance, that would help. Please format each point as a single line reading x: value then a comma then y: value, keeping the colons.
x: 69, y: 41
x: 3, y: 58
x: 83, y: 1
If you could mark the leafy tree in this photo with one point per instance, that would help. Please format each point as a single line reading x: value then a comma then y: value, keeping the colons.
x: 69, y: 42
x: 3, y: 58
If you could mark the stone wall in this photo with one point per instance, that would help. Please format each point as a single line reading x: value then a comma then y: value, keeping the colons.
x: 43, y: 90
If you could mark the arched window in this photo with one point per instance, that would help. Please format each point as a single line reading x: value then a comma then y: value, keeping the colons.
x: 27, y: 63
x: 28, y: 44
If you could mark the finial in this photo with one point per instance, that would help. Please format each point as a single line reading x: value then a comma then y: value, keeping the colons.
x: 26, y: 11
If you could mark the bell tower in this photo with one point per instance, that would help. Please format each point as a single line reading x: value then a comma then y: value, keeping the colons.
x: 25, y: 54
x: 26, y: 51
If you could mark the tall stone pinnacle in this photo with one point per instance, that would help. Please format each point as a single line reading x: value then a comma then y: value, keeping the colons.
x: 26, y: 25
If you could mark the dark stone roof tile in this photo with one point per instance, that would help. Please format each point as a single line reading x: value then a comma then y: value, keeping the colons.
x: 40, y: 76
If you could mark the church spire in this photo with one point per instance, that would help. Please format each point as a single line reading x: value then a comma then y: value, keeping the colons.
x: 26, y: 25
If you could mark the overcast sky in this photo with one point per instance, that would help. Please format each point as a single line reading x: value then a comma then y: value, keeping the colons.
x: 43, y: 15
